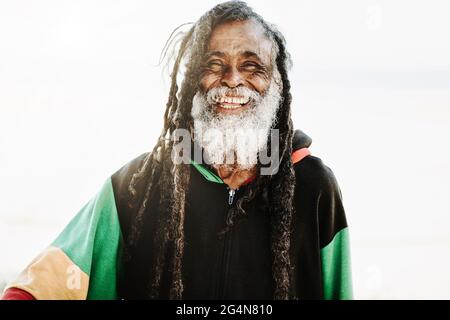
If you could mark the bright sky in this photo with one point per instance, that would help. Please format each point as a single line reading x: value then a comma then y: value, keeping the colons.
x: 80, y: 95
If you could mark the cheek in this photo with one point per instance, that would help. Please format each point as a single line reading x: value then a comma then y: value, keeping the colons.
x: 207, y: 81
x: 259, y: 83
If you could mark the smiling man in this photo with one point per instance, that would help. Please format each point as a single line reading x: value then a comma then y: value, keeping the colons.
x: 238, y: 97
x: 215, y: 225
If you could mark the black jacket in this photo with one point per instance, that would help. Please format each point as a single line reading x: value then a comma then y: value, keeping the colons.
x: 239, y: 265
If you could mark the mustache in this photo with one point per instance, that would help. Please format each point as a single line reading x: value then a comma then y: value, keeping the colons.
x: 214, y: 94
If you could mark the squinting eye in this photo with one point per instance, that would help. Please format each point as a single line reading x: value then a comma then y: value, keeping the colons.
x: 250, y: 66
x: 214, y: 65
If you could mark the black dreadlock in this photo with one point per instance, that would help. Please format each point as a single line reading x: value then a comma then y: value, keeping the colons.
x: 173, y: 179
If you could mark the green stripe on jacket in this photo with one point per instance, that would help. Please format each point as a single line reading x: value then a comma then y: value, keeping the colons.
x: 93, y: 240
x: 336, y: 272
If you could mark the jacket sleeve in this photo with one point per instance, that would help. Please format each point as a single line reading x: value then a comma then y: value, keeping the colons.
x: 334, y: 242
x: 83, y: 262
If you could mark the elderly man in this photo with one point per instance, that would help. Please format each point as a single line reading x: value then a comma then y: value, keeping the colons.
x: 213, y: 223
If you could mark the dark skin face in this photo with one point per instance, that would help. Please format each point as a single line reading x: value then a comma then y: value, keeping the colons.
x: 240, y: 54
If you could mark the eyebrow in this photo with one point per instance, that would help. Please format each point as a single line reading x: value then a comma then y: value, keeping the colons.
x: 215, y: 53
x: 251, y: 54
x: 246, y: 54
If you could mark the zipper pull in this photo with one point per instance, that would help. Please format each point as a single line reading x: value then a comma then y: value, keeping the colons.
x: 231, y: 193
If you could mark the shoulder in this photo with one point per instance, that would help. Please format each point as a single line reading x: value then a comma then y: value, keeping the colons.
x: 120, y: 181
x: 122, y: 177
x: 311, y: 172
x: 318, y: 195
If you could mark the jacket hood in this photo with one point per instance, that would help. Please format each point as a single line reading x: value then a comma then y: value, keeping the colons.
x: 300, y: 140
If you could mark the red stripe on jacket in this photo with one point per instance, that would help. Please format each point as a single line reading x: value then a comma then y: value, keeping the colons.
x: 16, y: 294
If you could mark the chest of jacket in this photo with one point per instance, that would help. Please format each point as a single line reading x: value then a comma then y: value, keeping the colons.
x: 235, y: 265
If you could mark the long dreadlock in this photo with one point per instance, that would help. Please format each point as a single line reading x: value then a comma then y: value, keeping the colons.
x: 173, y: 179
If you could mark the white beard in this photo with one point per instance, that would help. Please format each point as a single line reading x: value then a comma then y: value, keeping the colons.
x: 235, y: 139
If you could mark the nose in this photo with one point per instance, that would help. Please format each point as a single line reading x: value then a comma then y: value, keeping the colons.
x: 232, y: 78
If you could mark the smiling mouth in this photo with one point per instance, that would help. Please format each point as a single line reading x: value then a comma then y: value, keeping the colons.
x: 231, y: 103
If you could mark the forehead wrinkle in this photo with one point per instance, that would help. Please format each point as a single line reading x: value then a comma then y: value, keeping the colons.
x: 215, y: 53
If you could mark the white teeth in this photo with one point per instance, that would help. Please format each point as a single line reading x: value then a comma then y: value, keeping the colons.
x: 230, y: 106
x: 231, y: 100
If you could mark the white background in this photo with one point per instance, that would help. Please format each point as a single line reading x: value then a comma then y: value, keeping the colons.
x: 80, y: 95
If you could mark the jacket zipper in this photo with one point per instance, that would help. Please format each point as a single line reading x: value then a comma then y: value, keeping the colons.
x: 226, y: 247
x: 231, y: 194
